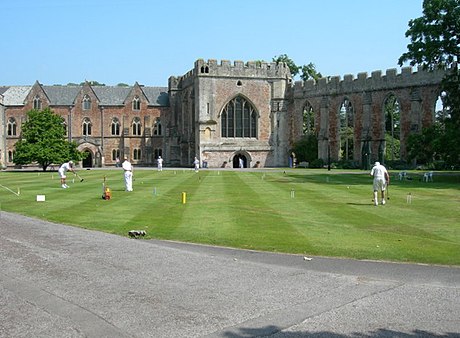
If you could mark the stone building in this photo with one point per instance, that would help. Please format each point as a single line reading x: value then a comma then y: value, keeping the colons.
x: 224, y: 113
x: 106, y: 122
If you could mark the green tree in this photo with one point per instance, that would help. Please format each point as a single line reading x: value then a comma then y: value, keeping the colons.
x: 309, y: 72
x: 435, y: 44
x: 43, y: 141
x: 306, y: 149
x: 424, y: 146
x: 392, y: 150
x: 306, y: 71
x: 93, y: 83
x: 289, y: 62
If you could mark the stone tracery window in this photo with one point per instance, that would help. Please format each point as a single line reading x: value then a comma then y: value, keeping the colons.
x: 157, y: 128
x: 115, y: 126
x: 392, y: 128
x: 86, y: 127
x: 136, y: 126
x: 11, y: 127
x: 37, y: 103
x: 346, y: 130
x: 115, y: 154
x: 86, y: 102
x: 308, y: 119
x: 136, y: 103
x: 239, y: 119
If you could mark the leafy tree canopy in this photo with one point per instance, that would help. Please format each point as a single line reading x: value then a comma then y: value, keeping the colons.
x: 43, y: 141
x: 93, y: 83
x: 306, y: 71
x: 306, y: 149
x: 435, y: 44
x: 435, y: 37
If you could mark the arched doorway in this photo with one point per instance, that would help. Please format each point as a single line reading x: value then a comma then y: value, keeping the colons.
x: 240, y: 158
x: 88, y: 161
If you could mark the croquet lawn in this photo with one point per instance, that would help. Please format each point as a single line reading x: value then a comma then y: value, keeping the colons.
x: 299, y: 211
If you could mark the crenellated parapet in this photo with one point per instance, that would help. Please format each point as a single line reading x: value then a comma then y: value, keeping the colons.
x: 408, y: 77
x: 240, y: 69
x: 227, y: 69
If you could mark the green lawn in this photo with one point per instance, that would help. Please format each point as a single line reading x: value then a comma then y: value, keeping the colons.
x: 301, y: 211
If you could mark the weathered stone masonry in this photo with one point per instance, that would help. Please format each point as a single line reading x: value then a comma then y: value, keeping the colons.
x: 187, y: 118
x: 417, y: 93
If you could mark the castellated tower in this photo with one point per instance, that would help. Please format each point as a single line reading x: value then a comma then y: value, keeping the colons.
x: 231, y: 115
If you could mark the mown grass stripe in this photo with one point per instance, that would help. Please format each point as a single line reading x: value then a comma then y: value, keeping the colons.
x: 330, y: 214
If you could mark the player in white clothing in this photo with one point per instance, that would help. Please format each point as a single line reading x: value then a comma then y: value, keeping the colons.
x: 160, y: 163
x: 68, y: 166
x: 128, y: 174
x: 381, y: 180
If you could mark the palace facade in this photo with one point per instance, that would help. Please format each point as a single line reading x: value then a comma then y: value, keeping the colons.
x: 222, y: 112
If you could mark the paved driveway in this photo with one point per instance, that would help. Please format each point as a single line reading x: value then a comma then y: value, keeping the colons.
x: 61, y: 281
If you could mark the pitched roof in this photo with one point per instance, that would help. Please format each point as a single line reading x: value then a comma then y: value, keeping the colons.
x: 65, y: 95
x: 15, y: 95
x: 157, y: 96
x: 3, y: 89
x: 61, y: 95
x: 111, y: 96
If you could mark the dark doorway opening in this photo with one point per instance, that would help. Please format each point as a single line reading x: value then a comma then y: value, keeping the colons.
x: 240, y: 161
x: 88, y: 161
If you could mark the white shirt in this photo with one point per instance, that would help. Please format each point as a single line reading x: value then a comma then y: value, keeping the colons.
x: 64, y: 167
x: 378, y: 171
x: 126, y: 165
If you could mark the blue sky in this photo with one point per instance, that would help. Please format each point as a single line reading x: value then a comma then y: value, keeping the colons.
x: 124, y: 41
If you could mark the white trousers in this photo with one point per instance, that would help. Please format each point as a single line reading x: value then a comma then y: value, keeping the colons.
x: 128, y: 181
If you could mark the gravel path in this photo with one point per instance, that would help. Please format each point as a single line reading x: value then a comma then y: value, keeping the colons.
x: 62, y: 281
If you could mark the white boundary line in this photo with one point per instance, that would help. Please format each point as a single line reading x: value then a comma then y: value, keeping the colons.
x: 16, y: 193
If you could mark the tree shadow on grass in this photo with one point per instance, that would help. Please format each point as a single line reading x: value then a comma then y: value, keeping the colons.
x: 272, y: 330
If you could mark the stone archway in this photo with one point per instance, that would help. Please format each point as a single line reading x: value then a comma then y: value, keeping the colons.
x: 93, y: 156
x: 241, y: 160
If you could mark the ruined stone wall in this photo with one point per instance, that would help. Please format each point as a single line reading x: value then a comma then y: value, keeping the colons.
x: 416, y: 91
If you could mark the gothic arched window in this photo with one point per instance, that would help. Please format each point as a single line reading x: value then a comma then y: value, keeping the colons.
x: 392, y: 128
x: 37, y: 103
x: 136, y: 126
x: 308, y: 119
x: 239, y: 119
x: 86, y: 127
x: 11, y: 127
x: 115, y: 154
x: 157, y: 128
x: 136, y: 103
x: 86, y: 102
x: 137, y: 154
x: 346, y: 130
x: 115, y: 126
